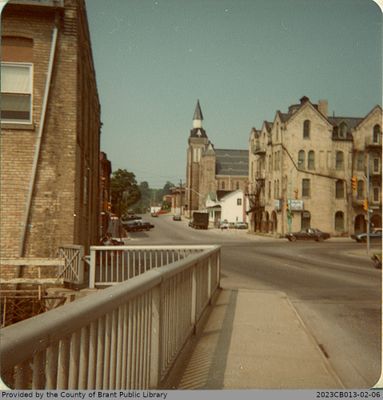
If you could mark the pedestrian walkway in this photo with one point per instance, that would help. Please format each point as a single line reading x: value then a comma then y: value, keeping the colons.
x: 253, y: 339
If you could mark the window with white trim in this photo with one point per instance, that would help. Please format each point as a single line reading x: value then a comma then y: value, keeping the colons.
x: 16, y: 92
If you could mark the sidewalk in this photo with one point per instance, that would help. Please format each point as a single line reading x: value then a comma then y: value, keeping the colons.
x: 254, y: 339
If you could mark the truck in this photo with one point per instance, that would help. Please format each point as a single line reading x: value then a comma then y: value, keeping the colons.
x: 200, y: 220
x: 154, y: 211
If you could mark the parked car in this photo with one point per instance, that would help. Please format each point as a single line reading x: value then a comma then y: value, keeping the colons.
x: 154, y: 214
x: 137, y: 226
x: 308, y: 234
x: 241, y: 225
x: 224, y: 224
x: 176, y: 217
x: 375, y: 234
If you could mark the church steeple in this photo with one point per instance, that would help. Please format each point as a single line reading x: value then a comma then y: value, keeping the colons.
x: 197, y: 117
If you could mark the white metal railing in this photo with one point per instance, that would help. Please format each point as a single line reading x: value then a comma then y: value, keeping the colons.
x: 123, y: 337
x: 113, y: 264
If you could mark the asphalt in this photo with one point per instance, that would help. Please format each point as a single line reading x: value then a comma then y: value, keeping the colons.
x: 254, y: 339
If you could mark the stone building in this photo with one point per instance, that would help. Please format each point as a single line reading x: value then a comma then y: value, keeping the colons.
x: 301, y: 167
x: 50, y: 129
x: 210, y: 169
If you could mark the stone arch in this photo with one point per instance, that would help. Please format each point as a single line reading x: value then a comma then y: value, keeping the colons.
x: 376, y: 221
x: 359, y: 224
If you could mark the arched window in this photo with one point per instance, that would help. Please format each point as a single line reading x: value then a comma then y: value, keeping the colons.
x: 339, y: 189
x: 343, y: 130
x: 301, y: 159
x: 360, y: 189
x: 339, y: 221
x: 306, y: 129
x: 311, y: 160
x: 339, y: 160
x: 376, y: 134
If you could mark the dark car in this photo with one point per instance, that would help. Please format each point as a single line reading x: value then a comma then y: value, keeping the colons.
x: 308, y: 234
x: 137, y: 226
x: 375, y: 234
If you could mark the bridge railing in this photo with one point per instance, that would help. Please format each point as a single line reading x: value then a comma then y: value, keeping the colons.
x: 113, y: 264
x: 126, y: 336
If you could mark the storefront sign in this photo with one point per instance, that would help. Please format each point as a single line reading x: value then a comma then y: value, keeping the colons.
x: 295, y: 205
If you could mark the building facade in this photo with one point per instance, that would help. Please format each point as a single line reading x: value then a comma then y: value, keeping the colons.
x: 105, y: 204
x: 50, y: 129
x: 301, y: 169
x: 209, y: 169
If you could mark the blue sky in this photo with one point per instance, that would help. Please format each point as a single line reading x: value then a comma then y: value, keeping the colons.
x: 243, y: 59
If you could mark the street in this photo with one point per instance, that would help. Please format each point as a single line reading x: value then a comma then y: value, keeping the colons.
x: 333, y: 286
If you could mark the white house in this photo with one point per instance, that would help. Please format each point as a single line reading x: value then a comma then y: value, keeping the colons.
x: 226, y: 206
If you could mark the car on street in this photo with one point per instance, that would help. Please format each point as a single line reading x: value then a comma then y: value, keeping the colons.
x: 138, y: 225
x: 308, y: 234
x: 224, y: 224
x: 176, y: 217
x: 375, y: 234
x: 241, y: 225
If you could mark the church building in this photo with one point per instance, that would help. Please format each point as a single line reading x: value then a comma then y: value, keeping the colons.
x: 209, y: 169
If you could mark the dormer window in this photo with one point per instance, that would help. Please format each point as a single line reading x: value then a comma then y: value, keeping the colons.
x: 306, y: 129
x: 343, y: 130
x: 376, y: 134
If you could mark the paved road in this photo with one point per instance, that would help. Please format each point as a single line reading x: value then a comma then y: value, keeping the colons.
x: 332, y: 285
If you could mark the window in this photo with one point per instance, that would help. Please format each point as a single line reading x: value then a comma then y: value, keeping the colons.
x: 306, y: 129
x: 376, y: 165
x: 239, y: 202
x: 339, y: 221
x: 360, y: 161
x: 305, y: 187
x: 339, y: 189
x: 343, y: 130
x: 237, y: 185
x: 376, y: 194
x: 269, y: 189
x: 360, y: 190
x: 339, y: 160
x: 16, y: 92
x: 311, y: 160
x: 376, y: 134
x: 301, y: 159
x: 222, y: 185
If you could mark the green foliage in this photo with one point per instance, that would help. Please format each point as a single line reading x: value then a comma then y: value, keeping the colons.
x: 124, y: 191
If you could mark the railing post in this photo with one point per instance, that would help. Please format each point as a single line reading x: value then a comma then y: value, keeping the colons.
x: 209, y: 278
x: 155, y: 345
x: 92, y: 271
x: 194, y: 297
x: 80, y: 264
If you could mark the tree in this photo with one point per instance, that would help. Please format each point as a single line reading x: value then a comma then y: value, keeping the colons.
x: 124, y: 191
x: 144, y: 202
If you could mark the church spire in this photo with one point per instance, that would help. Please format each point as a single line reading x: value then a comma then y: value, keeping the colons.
x: 197, y: 117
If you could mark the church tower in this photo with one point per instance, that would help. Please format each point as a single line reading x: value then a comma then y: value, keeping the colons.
x: 198, y: 142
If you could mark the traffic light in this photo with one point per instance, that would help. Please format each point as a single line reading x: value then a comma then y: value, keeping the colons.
x: 354, y: 183
x: 365, y: 205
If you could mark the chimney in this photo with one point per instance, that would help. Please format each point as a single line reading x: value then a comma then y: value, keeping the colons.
x: 323, y: 107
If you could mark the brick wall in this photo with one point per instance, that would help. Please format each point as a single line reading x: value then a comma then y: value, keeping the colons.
x: 69, y: 156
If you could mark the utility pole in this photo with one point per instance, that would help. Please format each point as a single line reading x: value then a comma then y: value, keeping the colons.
x: 368, y: 202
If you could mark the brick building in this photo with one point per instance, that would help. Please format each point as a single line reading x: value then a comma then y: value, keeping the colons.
x: 210, y: 169
x: 105, y: 204
x: 50, y: 129
x: 301, y: 167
